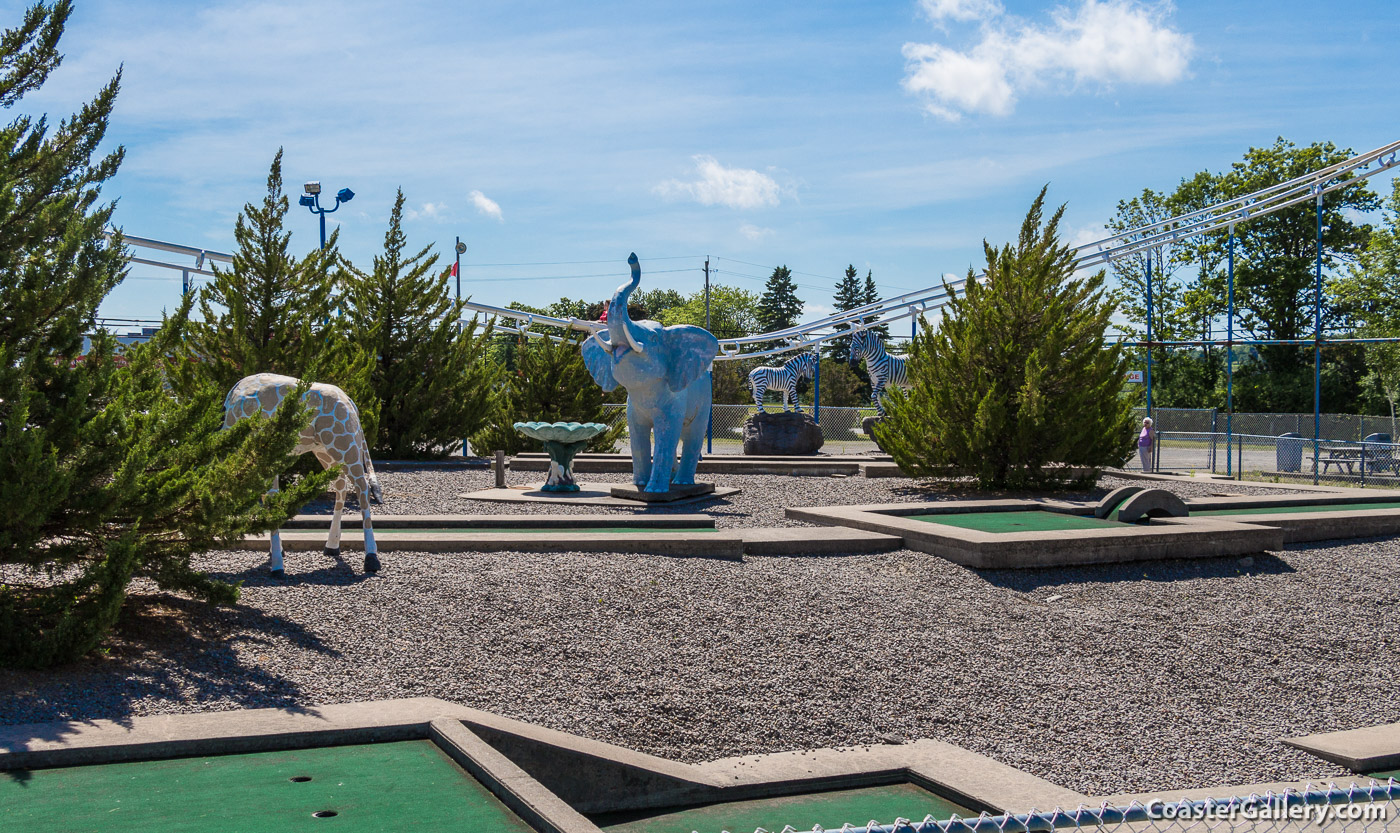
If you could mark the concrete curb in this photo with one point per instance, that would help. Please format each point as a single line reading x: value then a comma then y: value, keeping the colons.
x: 548, y: 777
x: 1369, y: 749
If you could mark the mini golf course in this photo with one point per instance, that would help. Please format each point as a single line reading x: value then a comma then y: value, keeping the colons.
x: 829, y: 809
x: 408, y: 785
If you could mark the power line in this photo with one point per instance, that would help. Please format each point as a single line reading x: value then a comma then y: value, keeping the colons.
x: 812, y: 275
x: 573, y: 262
x: 572, y: 277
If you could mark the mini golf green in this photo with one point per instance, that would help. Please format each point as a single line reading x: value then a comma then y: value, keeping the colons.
x: 408, y: 785
x: 519, y: 530
x: 1031, y: 520
x: 828, y: 809
x: 1381, y: 776
x: 1308, y: 507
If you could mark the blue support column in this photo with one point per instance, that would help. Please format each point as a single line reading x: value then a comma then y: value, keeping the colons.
x: 1230, y: 355
x: 817, y: 391
x: 1148, y: 377
x: 1317, y: 342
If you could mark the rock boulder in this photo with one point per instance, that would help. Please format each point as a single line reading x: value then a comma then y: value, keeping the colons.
x: 785, y: 433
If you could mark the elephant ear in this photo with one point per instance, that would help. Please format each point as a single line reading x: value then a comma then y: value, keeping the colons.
x: 686, y: 351
x: 599, y: 363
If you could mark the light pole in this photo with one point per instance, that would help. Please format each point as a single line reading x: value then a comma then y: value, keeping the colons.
x: 312, y: 200
x: 461, y: 249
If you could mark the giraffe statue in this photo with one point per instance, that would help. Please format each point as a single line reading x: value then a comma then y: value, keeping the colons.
x: 333, y: 435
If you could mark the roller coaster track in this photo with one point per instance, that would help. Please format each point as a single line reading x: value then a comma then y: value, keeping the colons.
x: 1217, y: 217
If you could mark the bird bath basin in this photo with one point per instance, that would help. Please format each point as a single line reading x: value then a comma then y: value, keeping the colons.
x: 562, y: 440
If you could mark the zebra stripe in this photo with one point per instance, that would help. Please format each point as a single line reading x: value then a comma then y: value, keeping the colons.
x: 801, y: 366
x: 883, y: 368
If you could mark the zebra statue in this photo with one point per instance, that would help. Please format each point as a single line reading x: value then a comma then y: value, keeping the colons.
x: 883, y: 368
x: 801, y: 366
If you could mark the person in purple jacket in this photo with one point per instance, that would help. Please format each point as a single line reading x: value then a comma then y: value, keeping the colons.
x: 1145, y: 439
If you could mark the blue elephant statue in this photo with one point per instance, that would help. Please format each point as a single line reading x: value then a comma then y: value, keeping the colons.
x: 666, y: 371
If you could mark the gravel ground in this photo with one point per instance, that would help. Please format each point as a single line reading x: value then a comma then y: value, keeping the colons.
x: 759, y: 503
x: 1104, y: 679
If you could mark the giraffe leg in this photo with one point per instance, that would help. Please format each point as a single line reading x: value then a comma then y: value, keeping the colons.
x: 333, y: 539
x: 274, y: 557
x: 371, y: 550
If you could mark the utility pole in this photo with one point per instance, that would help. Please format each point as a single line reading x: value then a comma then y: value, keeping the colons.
x: 707, y: 292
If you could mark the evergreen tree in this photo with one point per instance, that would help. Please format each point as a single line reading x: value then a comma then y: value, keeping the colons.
x: 430, y: 376
x: 105, y: 475
x: 779, y: 307
x: 549, y: 383
x: 848, y: 295
x: 1019, y: 382
x: 871, y: 295
x: 272, y: 312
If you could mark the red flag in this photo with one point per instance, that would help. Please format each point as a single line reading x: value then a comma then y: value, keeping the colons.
x: 454, y: 268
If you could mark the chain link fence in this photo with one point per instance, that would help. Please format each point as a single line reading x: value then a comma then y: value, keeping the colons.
x: 1285, y: 459
x: 1332, y: 427
x: 841, y: 428
x: 1354, y: 809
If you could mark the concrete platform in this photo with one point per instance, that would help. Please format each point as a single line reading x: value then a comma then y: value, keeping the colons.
x: 547, y: 776
x: 1370, y: 749
x: 1164, y: 538
x: 644, y: 542
x: 589, y: 494
x: 788, y: 540
x: 676, y: 494
x: 804, y: 466
x: 485, y: 522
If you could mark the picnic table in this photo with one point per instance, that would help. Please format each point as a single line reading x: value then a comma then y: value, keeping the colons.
x: 1368, y: 456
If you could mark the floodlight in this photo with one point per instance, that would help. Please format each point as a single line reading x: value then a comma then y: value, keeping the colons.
x: 344, y: 195
x: 307, y: 200
x: 313, y: 188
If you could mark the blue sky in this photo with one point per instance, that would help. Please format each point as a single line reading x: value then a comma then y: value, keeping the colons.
x: 892, y: 135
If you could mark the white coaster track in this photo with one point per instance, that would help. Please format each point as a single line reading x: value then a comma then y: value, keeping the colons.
x: 1223, y: 215
x: 1311, y: 186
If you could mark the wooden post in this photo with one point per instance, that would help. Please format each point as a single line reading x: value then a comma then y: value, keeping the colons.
x: 500, y: 467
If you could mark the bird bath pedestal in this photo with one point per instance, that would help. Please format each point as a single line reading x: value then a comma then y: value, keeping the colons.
x: 562, y: 440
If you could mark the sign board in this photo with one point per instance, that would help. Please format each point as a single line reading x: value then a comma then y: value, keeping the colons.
x: 1134, y: 377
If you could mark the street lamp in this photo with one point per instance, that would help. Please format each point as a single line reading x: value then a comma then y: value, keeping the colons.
x: 457, y: 267
x: 312, y: 200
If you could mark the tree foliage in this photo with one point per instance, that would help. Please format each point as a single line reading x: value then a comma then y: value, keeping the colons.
x: 1020, y: 381
x: 429, y: 376
x: 549, y: 383
x: 273, y: 312
x: 105, y: 473
x: 779, y: 307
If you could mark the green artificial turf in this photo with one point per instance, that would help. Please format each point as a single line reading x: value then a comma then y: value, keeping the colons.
x: 514, y: 530
x: 828, y: 809
x: 1288, y: 510
x: 409, y: 785
x: 1031, y: 520
x: 1381, y: 776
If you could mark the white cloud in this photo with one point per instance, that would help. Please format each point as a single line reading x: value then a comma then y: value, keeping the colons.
x: 1099, y: 42
x: 754, y: 232
x: 732, y: 187
x: 960, y: 9
x: 428, y: 211
x: 486, y: 205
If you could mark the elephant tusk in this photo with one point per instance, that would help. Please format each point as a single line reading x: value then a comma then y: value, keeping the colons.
x: 599, y: 338
x: 630, y: 340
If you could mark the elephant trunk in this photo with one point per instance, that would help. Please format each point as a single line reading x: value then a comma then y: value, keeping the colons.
x: 620, y: 324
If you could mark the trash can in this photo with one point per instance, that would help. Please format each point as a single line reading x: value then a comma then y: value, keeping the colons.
x: 1290, y: 451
